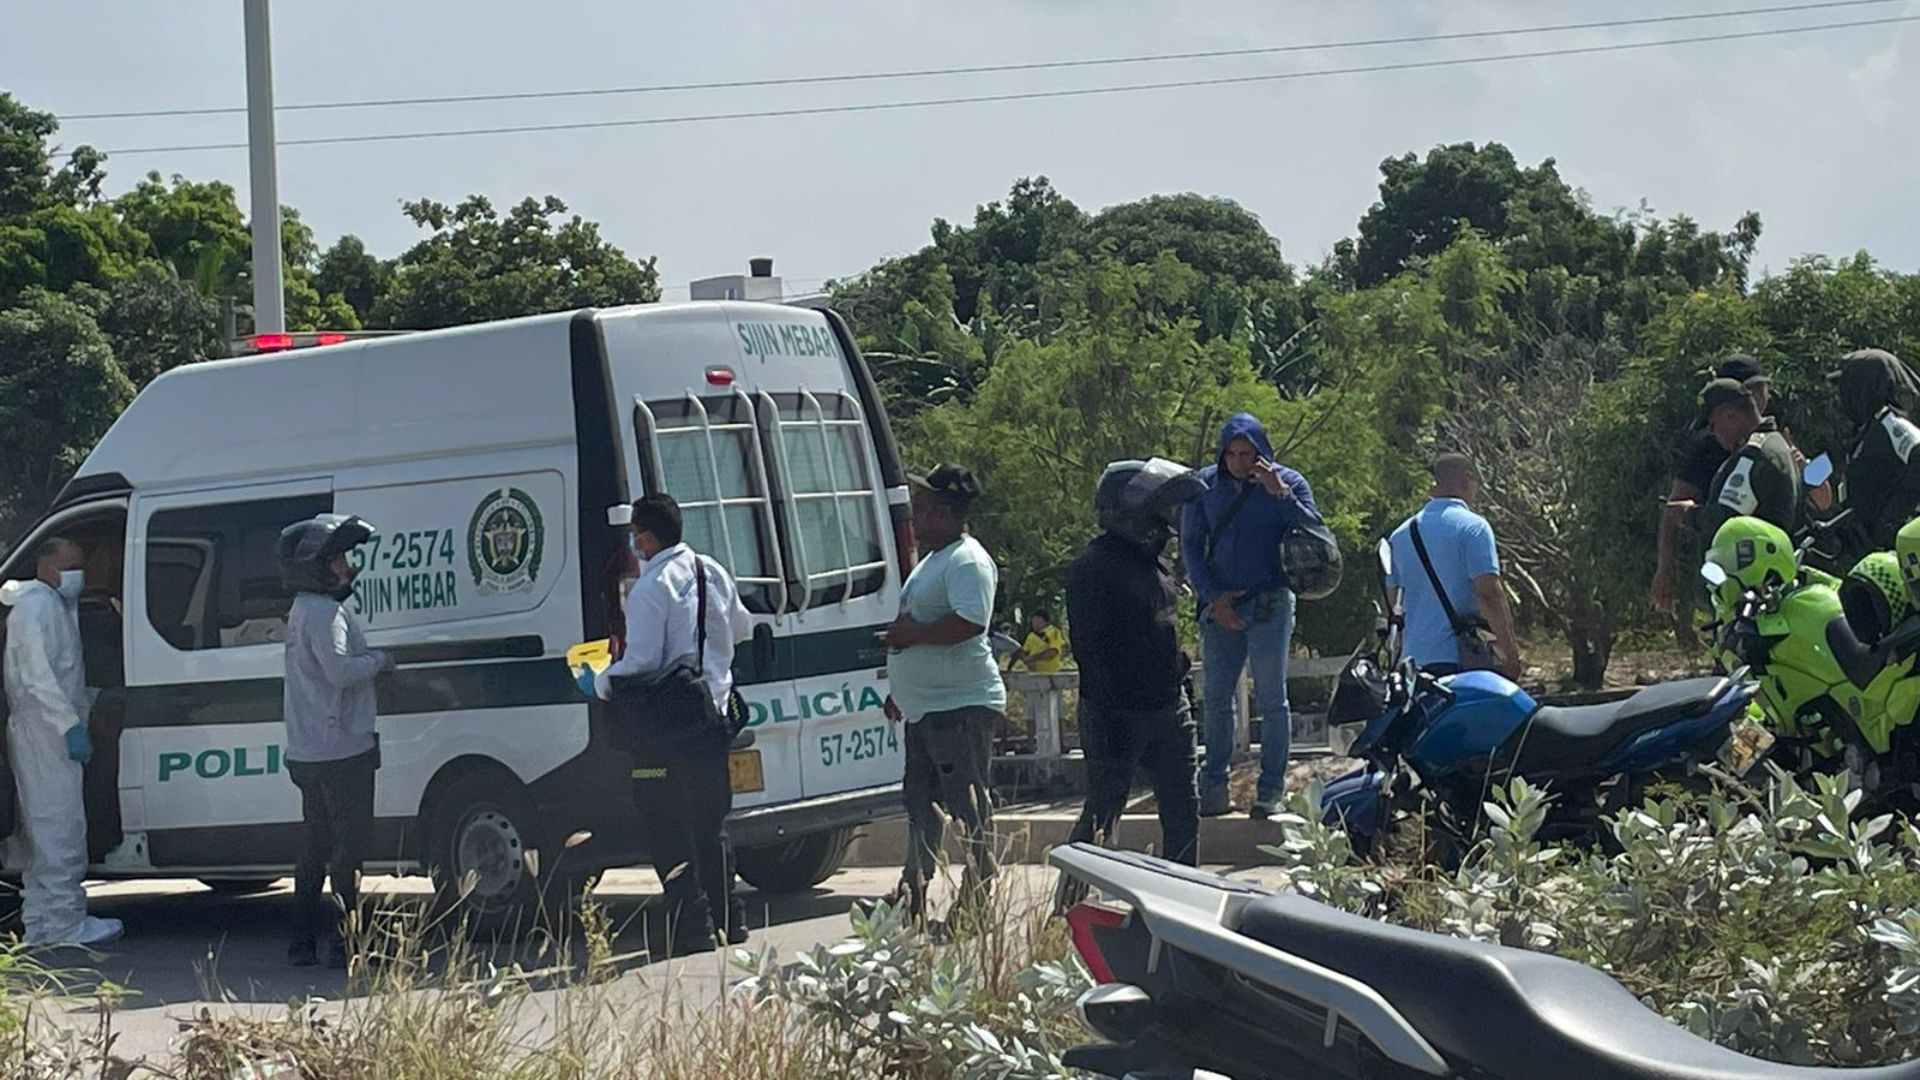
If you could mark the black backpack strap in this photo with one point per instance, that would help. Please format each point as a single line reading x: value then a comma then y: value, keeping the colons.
x: 1420, y: 549
x: 1226, y: 519
x: 700, y: 634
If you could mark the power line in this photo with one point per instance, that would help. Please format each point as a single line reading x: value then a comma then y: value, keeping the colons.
x: 1033, y: 95
x: 986, y: 69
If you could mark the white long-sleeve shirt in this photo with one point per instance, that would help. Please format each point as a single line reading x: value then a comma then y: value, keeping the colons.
x: 661, y: 612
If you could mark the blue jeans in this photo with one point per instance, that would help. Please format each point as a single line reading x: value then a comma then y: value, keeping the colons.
x: 1264, y: 646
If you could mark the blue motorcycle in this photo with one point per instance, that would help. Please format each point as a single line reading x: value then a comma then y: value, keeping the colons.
x: 1436, y: 747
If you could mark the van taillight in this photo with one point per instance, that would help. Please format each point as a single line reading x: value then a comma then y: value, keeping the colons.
x: 1082, y: 921
x: 904, y: 545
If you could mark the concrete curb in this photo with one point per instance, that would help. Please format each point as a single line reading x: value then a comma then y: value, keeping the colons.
x: 1027, y: 837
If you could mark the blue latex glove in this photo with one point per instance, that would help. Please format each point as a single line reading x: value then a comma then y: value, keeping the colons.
x: 585, y: 682
x: 79, y: 744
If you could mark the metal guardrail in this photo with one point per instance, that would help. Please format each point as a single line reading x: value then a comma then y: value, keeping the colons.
x: 1044, y: 696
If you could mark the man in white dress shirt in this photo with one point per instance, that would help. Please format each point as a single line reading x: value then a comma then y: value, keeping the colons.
x: 680, y: 783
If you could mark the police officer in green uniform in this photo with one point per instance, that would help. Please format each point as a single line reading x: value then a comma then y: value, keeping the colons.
x: 1760, y: 478
x: 1881, y: 483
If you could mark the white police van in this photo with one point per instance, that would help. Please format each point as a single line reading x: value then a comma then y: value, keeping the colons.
x: 489, y: 457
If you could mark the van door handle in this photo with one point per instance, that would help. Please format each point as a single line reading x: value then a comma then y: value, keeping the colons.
x: 763, y: 648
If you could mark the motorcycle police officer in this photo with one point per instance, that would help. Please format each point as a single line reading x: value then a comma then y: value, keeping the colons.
x: 1122, y: 604
x: 1761, y: 477
x: 1882, y: 478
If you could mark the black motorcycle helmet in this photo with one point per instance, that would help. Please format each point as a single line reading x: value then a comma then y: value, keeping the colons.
x: 307, y: 547
x: 1310, y: 557
x: 1141, y: 501
x: 1361, y: 693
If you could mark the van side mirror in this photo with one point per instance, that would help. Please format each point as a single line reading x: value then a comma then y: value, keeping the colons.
x: 1817, y: 472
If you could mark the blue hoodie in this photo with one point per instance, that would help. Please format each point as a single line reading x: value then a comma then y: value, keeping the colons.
x: 1246, y: 558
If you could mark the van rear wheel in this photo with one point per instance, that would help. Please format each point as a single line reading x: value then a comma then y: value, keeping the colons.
x: 797, y: 864
x: 485, y: 864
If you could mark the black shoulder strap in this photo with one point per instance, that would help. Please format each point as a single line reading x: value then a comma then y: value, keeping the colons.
x: 1420, y: 549
x: 1226, y: 519
x: 700, y: 634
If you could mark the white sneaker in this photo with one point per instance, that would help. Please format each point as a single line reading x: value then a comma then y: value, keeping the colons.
x: 99, y: 931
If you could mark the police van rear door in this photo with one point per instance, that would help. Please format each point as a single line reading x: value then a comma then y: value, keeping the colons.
x: 844, y: 582
x: 750, y: 416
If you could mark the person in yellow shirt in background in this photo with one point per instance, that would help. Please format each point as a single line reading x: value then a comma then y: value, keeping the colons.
x: 1045, y: 650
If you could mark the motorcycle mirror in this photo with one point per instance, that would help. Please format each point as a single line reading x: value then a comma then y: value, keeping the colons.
x: 1714, y: 574
x: 1385, y: 555
x: 1817, y: 472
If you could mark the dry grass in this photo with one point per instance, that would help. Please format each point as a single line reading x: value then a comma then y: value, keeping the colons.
x: 434, y: 1003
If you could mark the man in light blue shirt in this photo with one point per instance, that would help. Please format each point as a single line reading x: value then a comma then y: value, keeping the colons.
x: 946, y: 686
x: 1466, y: 562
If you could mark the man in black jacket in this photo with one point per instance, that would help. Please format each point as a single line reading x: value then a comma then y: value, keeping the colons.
x: 1882, y: 478
x: 1122, y: 604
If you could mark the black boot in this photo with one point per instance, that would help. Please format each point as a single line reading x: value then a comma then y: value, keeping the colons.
x: 737, y: 921
x: 690, y: 931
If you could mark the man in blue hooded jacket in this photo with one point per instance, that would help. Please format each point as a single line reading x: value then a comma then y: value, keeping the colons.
x: 1230, y: 542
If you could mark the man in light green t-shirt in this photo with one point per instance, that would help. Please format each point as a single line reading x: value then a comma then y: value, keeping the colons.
x: 946, y: 687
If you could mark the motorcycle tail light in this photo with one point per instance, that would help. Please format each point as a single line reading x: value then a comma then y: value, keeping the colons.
x: 1082, y: 921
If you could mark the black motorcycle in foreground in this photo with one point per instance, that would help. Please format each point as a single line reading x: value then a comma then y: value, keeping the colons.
x: 1200, y: 975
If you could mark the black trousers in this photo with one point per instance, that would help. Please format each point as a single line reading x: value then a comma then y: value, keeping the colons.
x: 336, y: 809
x: 949, y: 765
x: 683, y: 794
x: 1120, y: 743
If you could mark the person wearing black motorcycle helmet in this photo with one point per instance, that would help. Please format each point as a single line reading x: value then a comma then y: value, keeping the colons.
x: 1881, y: 481
x: 328, y: 706
x: 1122, y: 609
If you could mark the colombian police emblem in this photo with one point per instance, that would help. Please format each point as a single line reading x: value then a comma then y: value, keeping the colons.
x: 504, y: 542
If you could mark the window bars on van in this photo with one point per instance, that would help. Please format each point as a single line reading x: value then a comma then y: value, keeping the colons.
x: 837, y: 495
x: 757, y: 498
x: 795, y: 532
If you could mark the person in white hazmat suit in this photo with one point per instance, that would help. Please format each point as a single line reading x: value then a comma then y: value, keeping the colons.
x: 48, y: 747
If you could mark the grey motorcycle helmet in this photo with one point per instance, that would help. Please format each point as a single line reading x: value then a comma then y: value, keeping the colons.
x: 1310, y: 558
x: 1141, y: 500
x: 306, y: 547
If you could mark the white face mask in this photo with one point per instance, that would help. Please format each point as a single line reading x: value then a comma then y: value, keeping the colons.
x: 72, y: 584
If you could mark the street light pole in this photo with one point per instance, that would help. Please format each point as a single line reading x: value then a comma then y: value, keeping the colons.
x: 269, y: 291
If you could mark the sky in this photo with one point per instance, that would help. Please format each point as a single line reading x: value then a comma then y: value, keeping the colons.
x: 1818, y: 132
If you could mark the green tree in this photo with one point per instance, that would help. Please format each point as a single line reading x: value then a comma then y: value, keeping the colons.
x: 59, y: 391
x: 195, y: 227
x: 308, y: 307
x: 1424, y: 204
x: 1247, y: 286
x: 28, y: 180
x: 1115, y: 382
x: 54, y: 231
x: 478, y: 265
x: 349, y: 271
x: 155, y: 322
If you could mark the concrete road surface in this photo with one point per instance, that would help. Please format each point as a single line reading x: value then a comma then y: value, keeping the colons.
x: 188, y: 949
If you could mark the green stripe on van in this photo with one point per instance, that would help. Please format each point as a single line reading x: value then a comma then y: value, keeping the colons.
x: 485, y: 684
x: 828, y: 652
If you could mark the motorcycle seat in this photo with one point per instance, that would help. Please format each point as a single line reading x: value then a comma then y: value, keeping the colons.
x: 1495, y: 1011
x: 1563, y: 737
